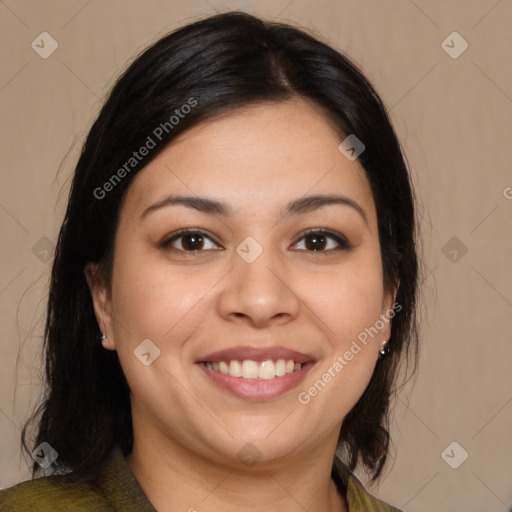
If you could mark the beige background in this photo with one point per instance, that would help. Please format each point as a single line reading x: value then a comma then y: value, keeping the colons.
x: 453, y: 116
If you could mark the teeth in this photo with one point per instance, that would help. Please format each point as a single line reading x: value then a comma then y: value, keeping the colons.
x: 249, y: 369
x: 280, y: 368
x: 235, y: 369
x: 267, y: 370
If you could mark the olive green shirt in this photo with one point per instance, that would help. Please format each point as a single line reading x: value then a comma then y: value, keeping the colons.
x: 119, y: 491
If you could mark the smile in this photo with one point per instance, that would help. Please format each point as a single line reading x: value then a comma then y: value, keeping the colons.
x: 255, y: 373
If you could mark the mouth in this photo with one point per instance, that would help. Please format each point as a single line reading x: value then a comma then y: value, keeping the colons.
x: 256, y: 374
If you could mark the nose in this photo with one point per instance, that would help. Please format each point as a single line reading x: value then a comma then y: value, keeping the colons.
x: 258, y: 293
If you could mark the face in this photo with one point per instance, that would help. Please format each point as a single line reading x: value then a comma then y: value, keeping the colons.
x: 276, y: 278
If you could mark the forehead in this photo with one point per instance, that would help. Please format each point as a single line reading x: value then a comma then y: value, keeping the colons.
x: 259, y: 156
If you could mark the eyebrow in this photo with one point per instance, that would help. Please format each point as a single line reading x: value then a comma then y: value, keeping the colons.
x: 298, y: 206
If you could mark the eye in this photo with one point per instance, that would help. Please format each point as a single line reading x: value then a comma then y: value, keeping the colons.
x: 322, y: 240
x: 190, y: 240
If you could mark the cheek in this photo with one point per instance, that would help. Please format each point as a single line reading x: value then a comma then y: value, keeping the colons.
x: 138, y: 297
x: 153, y: 300
x: 348, y: 301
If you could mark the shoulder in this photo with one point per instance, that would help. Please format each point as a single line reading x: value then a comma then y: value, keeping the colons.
x: 111, y: 487
x: 52, y: 493
x: 360, y: 500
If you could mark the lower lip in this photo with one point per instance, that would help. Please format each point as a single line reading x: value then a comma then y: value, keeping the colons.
x: 256, y: 389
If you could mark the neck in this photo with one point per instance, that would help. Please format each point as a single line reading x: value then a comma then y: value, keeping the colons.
x: 173, y: 478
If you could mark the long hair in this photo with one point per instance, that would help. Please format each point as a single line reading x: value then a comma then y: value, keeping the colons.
x: 212, y: 66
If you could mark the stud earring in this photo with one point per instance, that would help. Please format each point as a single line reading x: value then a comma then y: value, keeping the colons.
x: 103, y: 337
x: 384, y: 350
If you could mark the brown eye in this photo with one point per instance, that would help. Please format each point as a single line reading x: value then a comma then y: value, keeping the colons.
x: 323, y: 241
x: 316, y: 242
x: 190, y: 241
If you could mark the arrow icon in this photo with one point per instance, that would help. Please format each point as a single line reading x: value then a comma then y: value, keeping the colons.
x: 44, y: 455
x: 351, y: 147
x: 249, y: 249
x: 454, y: 45
x: 454, y: 249
x: 44, y: 45
x: 147, y: 352
x: 249, y: 454
x: 454, y: 455
x: 43, y: 249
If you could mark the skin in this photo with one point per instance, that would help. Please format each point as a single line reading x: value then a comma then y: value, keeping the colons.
x: 187, y: 430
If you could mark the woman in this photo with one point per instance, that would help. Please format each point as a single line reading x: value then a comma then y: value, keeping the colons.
x: 234, y: 286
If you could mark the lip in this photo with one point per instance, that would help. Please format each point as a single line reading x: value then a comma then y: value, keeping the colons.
x: 258, y: 354
x: 255, y: 389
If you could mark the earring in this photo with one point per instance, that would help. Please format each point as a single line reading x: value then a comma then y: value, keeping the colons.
x: 384, y: 350
x: 103, y: 337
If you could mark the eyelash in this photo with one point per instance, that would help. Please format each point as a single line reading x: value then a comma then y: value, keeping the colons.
x: 337, y: 237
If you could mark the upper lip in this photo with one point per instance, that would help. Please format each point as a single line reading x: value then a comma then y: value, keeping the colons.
x: 258, y: 354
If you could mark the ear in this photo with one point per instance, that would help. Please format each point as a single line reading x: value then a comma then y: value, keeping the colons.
x: 389, y: 309
x: 102, y: 303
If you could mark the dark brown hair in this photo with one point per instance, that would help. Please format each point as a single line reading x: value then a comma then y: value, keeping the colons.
x: 221, y: 63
